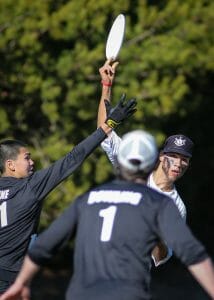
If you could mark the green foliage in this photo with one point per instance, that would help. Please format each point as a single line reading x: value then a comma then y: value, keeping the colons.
x: 50, y: 52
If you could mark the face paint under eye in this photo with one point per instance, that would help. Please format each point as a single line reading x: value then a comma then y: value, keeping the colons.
x: 174, y: 162
x: 170, y: 161
x: 166, y: 165
x: 172, y: 170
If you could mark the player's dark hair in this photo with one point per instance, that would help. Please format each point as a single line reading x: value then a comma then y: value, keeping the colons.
x: 9, y: 149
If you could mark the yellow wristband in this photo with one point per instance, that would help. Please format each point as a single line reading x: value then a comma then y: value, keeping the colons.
x: 111, y: 123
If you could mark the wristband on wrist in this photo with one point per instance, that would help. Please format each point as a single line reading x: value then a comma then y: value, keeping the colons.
x: 112, y: 123
x: 106, y: 83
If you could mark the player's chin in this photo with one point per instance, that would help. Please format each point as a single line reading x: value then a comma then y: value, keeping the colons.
x: 30, y: 172
x: 175, y: 175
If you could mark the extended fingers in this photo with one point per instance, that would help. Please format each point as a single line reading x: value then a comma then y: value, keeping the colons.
x: 122, y: 99
x: 132, y: 103
x: 108, y: 68
x: 114, y: 66
x: 131, y: 106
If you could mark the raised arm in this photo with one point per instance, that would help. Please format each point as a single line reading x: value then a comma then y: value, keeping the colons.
x: 43, y: 181
x: 107, y: 73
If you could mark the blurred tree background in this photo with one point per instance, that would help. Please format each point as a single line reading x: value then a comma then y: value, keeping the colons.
x: 50, y: 53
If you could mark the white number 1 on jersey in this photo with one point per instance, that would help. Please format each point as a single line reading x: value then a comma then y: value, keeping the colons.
x: 3, y: 214
x: 108, y: 215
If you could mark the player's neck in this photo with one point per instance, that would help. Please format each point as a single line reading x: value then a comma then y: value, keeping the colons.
x: 140, y: 180
x: 11, y: 173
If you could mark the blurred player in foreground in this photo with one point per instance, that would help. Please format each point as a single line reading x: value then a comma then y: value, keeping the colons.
x: 173, y: 160
x: 116, y: 226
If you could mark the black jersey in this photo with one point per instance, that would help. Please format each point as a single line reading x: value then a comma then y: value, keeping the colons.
x: 21, y: 200
x: 117, y: 225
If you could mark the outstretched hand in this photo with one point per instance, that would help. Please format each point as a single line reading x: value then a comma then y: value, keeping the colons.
x: 117, y: 114
x: 107, y: 71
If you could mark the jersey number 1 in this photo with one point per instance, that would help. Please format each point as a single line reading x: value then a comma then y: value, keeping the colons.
x: 3, y: 214
x: 108, y: 215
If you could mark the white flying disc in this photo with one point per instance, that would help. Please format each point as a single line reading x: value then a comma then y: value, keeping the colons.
x: 115, y: 37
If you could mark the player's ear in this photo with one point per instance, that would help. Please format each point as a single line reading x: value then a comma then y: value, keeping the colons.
x: 161, y: 156
x: 10, y: 165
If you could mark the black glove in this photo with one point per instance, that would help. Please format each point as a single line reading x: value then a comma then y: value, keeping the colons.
x: 116, y: 115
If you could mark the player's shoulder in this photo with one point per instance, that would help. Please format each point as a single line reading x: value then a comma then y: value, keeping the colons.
x: 121, y: 185
x: 11, y: 186
x: 159, y: 195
